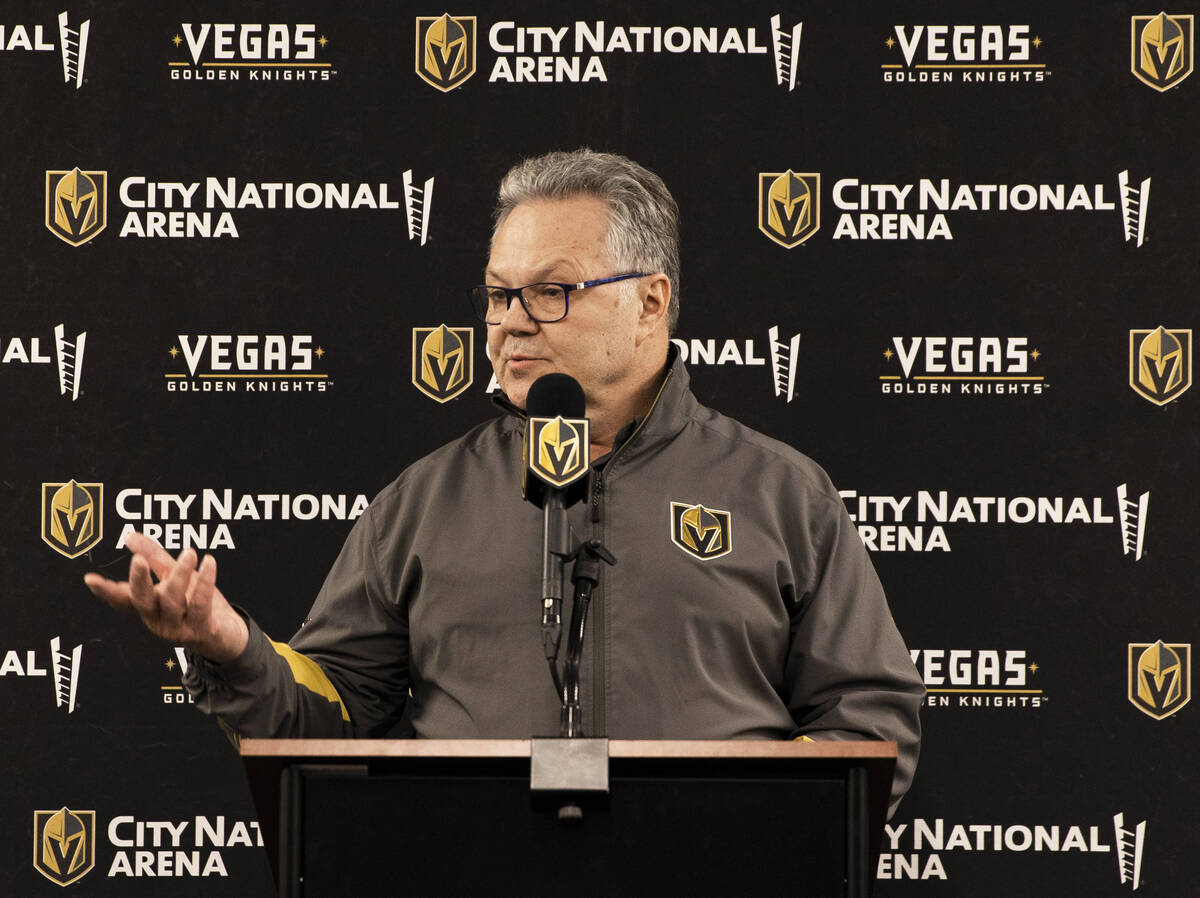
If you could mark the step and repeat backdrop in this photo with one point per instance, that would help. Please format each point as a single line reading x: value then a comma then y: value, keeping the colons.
x: 947, y: 249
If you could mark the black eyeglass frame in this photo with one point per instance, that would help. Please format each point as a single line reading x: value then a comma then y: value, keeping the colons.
x: 512, y: 293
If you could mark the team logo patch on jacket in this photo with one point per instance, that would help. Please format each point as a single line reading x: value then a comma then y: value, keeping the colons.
x: 702, y: 532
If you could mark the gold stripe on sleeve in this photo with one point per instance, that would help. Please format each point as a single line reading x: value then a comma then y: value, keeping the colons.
x: 309, y: 675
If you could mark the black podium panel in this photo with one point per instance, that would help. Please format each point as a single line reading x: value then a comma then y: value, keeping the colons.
x: 653, y: 836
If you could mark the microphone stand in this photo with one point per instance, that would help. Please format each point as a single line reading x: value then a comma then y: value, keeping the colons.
x: 556, y: 540
x: 570, y: 766
x: 586, y: 574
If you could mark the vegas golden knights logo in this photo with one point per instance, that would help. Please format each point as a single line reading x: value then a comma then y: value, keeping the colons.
x: 1162, y: 49
x: 72, y: 516
x: 558, y: 449
x: 703, y: 532
x: 1160, y: 363
x: 443, y: 360
x: 1160, y: 677
x: 76, y: 204
x: 789, y: 206
x: 64, y: 844
x: 445, y: 50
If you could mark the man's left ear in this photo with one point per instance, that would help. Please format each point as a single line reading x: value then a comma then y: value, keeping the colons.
x: 656, y: 299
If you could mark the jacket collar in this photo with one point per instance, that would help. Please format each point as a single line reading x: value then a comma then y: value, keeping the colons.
x: 672, y: 408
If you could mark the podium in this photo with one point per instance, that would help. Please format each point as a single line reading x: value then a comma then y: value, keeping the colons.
x: 351, y: 817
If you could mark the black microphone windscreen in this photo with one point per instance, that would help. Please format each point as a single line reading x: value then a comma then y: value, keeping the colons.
x: 554, y: 395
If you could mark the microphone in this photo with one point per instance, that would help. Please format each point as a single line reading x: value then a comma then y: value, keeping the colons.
x: 554, y: 477
x: 557, y: 441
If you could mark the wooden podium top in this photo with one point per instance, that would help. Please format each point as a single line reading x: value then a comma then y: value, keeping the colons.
x: 520, y: 748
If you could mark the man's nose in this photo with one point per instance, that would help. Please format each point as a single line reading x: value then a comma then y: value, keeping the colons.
x: 516, y: 320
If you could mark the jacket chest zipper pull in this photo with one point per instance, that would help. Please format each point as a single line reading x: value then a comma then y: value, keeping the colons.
x: 597, y: 488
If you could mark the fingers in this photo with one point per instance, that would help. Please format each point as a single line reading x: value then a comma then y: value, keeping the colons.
x: 116, y: 594
x: 179, y: 607
x: 225, y: 633
x: 159, y: 559
x: 172, y: 590
x: 200, y: 592
x: 141, y: 589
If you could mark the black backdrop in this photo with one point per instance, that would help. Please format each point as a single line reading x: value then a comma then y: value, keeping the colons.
x: 1022, y: 772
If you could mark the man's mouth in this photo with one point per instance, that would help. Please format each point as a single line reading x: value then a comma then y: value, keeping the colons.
x: 520, y: 360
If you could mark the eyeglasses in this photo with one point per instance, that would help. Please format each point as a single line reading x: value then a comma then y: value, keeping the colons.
x: 543, y: 303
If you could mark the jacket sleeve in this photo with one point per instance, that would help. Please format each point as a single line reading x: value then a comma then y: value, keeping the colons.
x: 345, y: 673
x: 849, y: 673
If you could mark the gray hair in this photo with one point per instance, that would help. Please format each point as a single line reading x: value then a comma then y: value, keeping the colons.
x: 643, y: 225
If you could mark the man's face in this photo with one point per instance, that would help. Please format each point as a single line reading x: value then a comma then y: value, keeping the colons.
x: 562, y: 241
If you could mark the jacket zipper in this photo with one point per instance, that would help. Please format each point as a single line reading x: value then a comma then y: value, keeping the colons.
x: 599, y: 643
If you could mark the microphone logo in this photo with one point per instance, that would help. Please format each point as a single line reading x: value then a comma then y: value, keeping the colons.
x: 559, y: 449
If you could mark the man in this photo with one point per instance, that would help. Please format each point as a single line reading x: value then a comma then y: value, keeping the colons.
x: 742, y: 603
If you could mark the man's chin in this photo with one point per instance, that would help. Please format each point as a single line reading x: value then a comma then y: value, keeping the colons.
x: 519, y: 375
x: 516, y: 389
x: 516, y: 394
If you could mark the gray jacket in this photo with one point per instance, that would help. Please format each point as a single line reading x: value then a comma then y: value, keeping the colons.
x: 757, y: 615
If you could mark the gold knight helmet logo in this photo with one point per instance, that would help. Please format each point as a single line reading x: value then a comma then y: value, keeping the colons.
x: 64, y: 844
x: 559, y: 449
x: 445, y: 50
x: 72, y: 516
x: 76, y: 204
x: 703, y: 532
x: 1161, y: 49
x: 1160, y: 677
x: 443, y: 360
x: 789, y: 206
x: 1160, y: 363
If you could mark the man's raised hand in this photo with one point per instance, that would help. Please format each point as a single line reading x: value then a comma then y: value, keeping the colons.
x: 184, y: 607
